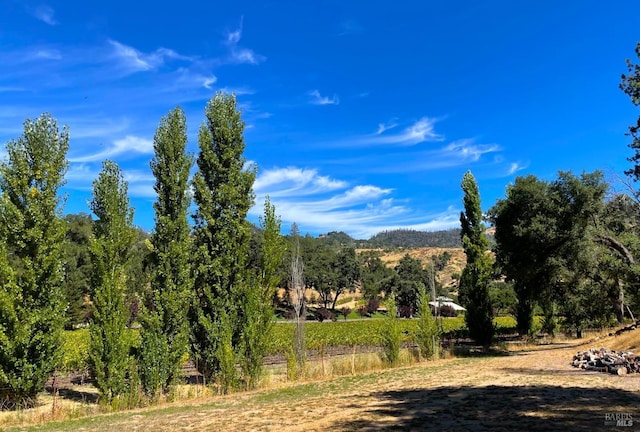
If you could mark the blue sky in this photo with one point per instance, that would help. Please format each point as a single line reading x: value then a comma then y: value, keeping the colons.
x: 361, y: 116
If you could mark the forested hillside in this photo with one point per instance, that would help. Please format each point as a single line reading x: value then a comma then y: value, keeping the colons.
x: 412, y: 238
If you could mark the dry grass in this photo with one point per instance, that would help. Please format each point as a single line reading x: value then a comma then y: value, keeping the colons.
x: 458, y: 260
x: 528, y: 387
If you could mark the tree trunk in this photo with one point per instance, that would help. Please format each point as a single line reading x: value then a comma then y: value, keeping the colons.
x: 335, y: 299
x: 620, y: 301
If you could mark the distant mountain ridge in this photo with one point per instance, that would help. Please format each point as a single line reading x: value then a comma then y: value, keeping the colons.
x: 398, y: 238
x: 411, y: 238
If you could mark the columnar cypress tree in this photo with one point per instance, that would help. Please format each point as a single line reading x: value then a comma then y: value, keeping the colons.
x: 165, y: 333
x: 273, y: 249
x: 427, y: 335
x: 113, y: 236
x: 258, y: 304
x: 32, y: 306
x: 474, y: 282
x: 223, y: 195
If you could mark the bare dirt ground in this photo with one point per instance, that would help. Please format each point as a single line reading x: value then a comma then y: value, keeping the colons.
x: 530, y: 389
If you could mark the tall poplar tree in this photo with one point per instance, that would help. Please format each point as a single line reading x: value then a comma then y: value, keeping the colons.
x: 113, y: 235
x: 474, y: 282
x: 223, y: 194
x: 258, y: 307
x: 32, y: 303
x: 165, y: 332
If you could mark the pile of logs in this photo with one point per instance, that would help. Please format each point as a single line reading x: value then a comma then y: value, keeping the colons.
x: 604, y: 360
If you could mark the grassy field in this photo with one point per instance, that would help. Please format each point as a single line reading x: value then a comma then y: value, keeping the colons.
x: 525, y: 388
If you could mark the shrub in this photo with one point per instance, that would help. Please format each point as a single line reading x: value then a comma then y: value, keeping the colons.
x: 448, y: 311
x: 323, y: 314
x: 372, y: 306
x: 406, y: 311
x: 345, y: 311
x: 427, y: 335
x: 362, y: 311
x: 391, y: 334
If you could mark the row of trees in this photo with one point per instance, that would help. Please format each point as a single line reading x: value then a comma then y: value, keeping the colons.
x: 202, y: 298
x: 332, y: 271
x: 566, y: 246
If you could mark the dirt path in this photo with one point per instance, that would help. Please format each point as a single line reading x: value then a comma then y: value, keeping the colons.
x: 531, y: 390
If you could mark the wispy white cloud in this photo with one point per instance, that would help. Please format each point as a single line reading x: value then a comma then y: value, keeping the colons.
x: 383, y: 127
x: 45, y: 14
x: 133, y: 60
x: 141, y: 183
x: 406, y: 160
x: 97, y: 127
x: 317, y: 202
x: 421, y: 131
x: 238, y: 91
x: 514, y: 167
x: 239, y: 54
x: 129, y: 145
x: 209, y: 81
x: 47, y: 54
x: 318, y: 99
x: 467, y: 150
x: 293, y: 181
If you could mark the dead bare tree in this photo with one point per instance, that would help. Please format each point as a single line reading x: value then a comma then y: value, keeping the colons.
x: 296, y: 296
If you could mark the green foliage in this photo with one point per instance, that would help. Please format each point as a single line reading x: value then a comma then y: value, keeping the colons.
x: 113, y: 236
x: 391, y: 335
x: 226, y: 355
x: 338, y: 239
x: 319, y: 270
x: 411, y: 238
x: 165, y: 331
x: 549, y: 319
x: 32, y: 300
x: 329, y: 334
x: 137, y: 275
x: 223, y: 196
x: 76, y: 346
x: 375, y: 276
x: 474, y: 282
x: 272, y: 249
x: 547, y: 244
x: 154, y: 353
x: 78, y: 267
x: 523, y: 222
x: 347, y: 271
x: 427, y: 335
x: 409, y: 277
x: 441, y: 260
x: 257, y: 306
x: 503, y: 297
x: 256, y: 333
x: 630, y: 85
